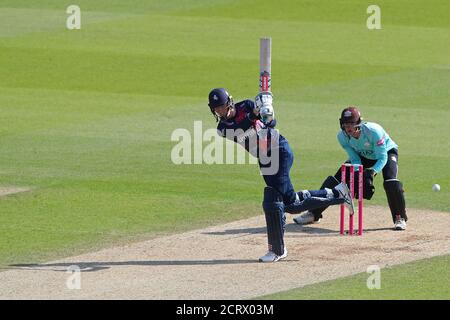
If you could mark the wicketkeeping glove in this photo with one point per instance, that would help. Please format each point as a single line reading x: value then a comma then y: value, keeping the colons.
x: 369, y: 173
x: 369, y: 188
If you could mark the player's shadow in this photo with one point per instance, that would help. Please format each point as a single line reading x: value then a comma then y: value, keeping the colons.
x: 237, y: 231
x: 378, y: 229
x: 310, y: 230
x: 328, y: 232
x: 290, y: 228
x: 99, y: 265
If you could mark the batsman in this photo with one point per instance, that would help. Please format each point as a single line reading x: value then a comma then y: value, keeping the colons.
x: 367, y: 143
x: 251, y: 124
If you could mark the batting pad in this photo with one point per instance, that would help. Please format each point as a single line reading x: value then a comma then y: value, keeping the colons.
x: 275, y: 220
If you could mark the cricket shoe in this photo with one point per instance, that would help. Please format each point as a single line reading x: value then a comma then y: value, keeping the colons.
x: 272, y: 257
x: 400, y: 224
x: 306, y: 218
x: 345, y: 194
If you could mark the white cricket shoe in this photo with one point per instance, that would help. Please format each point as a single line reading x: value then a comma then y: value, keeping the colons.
x: 345, y: 194
x: 272, y: 257
x: 400, y: 223
x: 305, y: 218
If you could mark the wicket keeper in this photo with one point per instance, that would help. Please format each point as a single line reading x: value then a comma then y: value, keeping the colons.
x: 367, y: 143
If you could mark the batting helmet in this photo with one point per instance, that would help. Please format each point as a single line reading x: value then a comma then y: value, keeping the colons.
x: 219, y: 97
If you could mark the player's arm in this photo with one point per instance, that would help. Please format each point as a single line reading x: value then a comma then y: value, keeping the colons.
x: 379, y: 148
x: 244, y: 124
x: 352, y: 154
x: 233, y: 126
x: 255, y: 113
x: 252, y: 110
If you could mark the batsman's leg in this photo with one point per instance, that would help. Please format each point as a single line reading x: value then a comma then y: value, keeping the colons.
x: 329, y: 183
x: 273, y: 207
x: 311, y: 204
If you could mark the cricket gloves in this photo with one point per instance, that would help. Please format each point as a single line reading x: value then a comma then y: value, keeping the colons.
x: 263, y: 104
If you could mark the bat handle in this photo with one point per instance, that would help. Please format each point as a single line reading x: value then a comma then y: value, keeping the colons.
x: 264, y: 81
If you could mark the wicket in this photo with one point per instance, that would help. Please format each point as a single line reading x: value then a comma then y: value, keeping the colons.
x: 352, y: 192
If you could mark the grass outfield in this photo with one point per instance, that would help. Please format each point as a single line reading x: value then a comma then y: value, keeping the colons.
x: 420, y: 280
x: 87, y: 115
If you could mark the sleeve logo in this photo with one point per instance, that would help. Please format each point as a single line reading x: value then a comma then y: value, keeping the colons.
x: 380, y: 142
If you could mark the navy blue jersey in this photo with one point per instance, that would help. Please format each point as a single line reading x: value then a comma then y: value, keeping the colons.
x: 247, y: 129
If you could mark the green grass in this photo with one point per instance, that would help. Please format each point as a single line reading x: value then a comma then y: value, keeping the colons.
x: 87, y: 115
x: 427, y: 279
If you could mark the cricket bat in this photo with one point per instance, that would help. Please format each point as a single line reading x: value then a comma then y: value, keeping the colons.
x: 265, y: 62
